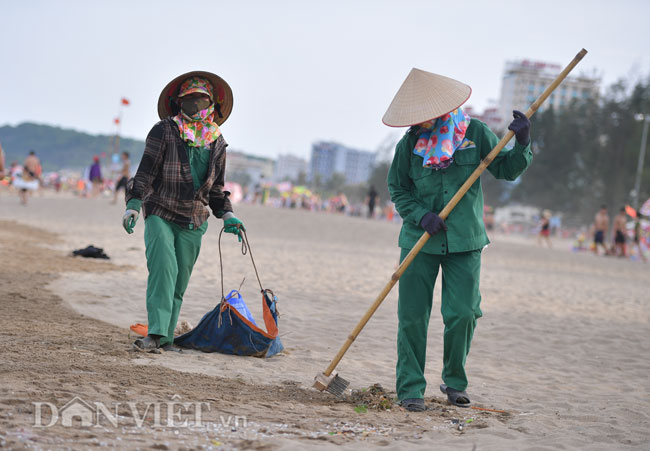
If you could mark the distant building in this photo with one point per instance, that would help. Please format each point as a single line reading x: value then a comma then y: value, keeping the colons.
x: 524, y: 80
x: 247, y: 169
x: 490, y: 116
x: 329, y: 158
x: 523, y: 215
x: 289, y: 167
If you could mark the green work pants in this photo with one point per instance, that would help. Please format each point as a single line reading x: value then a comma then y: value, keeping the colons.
x: 171, y: 252
x: 460, y: 309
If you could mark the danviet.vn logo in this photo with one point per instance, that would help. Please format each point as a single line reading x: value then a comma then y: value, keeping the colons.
x: 174, y: 413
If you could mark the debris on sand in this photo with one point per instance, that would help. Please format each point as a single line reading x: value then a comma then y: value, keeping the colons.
x: 373, y: 397
x: 182, y: 327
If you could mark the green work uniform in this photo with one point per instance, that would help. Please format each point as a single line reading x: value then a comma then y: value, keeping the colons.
x: 416, y: 190
x: 171, y: 252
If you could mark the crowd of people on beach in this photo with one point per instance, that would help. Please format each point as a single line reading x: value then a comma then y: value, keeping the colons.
x: 285, y: 195
x: 25, y: 178
x: 626, y: 239
x: 628, y: 236
x: 28, y: 178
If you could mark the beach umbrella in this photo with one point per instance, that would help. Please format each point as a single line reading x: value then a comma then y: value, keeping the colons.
x: 631, y: 212
x: 645, y: 208
x: 284, y: 187
x: 301, y: 190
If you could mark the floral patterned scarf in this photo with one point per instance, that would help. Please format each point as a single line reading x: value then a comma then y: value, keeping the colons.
x: 198, y: 130
x: 440, y: 139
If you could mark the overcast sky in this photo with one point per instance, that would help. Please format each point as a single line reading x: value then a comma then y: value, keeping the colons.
x: 300, y: 71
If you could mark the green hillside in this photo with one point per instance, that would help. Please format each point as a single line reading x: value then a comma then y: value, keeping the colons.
x: 60, y: 148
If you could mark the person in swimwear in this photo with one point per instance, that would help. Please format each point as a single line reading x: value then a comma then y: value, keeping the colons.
x: 619, y: 233
x: 545, y: 231
x: 601, y: 225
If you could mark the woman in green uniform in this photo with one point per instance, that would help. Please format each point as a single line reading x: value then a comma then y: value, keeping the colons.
x: 180, y: 174
x: 437, y: 154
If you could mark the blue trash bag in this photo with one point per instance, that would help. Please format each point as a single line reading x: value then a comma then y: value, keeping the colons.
x: 230, y: 327
x: 234, y: 298
x: 228, y: 330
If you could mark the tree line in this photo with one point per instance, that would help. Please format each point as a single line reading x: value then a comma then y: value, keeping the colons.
x: 586, y: 155
x: 60, y: 148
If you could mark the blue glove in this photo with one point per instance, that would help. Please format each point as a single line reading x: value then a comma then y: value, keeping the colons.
x: 433, y: 223
x: 521, y: 126
x: 233, y: 225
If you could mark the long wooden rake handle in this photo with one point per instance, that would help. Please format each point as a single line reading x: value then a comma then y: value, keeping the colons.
x: 445, y: 212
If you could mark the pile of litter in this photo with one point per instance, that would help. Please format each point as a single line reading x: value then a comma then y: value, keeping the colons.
x: 373, y: 397
x: 182, y: 327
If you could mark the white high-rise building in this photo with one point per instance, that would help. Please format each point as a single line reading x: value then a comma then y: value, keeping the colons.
x: 490, y: 116
x: 524, y: 81
x: 328, y: 158
x: 289, y: 167
x: 248, y: 169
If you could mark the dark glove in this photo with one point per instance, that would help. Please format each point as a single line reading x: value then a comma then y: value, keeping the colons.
x: 521, y: 126
x: 432, y: 223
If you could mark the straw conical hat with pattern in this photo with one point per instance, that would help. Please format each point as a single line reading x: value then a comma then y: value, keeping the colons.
x: 424, y: 96
x: 222, y: 95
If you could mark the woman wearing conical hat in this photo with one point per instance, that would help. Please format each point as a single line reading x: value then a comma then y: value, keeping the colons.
x: 180, y: 175
x: 439, y: 151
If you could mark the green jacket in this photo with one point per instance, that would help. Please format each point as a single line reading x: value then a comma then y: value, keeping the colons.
x: 416, y: 190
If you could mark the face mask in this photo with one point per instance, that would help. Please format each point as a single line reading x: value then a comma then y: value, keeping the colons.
x: 191, y: 106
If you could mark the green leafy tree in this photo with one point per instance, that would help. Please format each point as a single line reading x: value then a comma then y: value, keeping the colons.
x: 60, y: 148
x: 301, y: 179
x: 378, y: 179
x: 586, y: 154
x: 243, y: 178
x: 336, y: 182
x: 316, y: 182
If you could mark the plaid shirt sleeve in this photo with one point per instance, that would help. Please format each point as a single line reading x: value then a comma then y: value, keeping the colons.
x: 219, y: 202
x: 150, y: 164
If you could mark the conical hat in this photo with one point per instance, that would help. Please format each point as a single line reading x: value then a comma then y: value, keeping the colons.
x: 424, y: 96
x: 222, y: 95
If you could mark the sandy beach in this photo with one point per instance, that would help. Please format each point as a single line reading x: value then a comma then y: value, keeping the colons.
x: 563, y: 348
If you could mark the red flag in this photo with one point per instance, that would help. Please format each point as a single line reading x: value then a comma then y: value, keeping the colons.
x: 116, y: 120
x: 125, y: 101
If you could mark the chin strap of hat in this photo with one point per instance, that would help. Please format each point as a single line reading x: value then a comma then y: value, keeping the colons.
x: 218, y: 108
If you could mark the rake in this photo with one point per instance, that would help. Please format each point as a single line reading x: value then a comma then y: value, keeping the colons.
x: 329, y: 380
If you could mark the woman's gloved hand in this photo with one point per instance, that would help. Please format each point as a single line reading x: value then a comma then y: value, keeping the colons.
x: 233, y: 225
x: 521, y: 126
x: 129, y: 219
x: 433, y: 223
